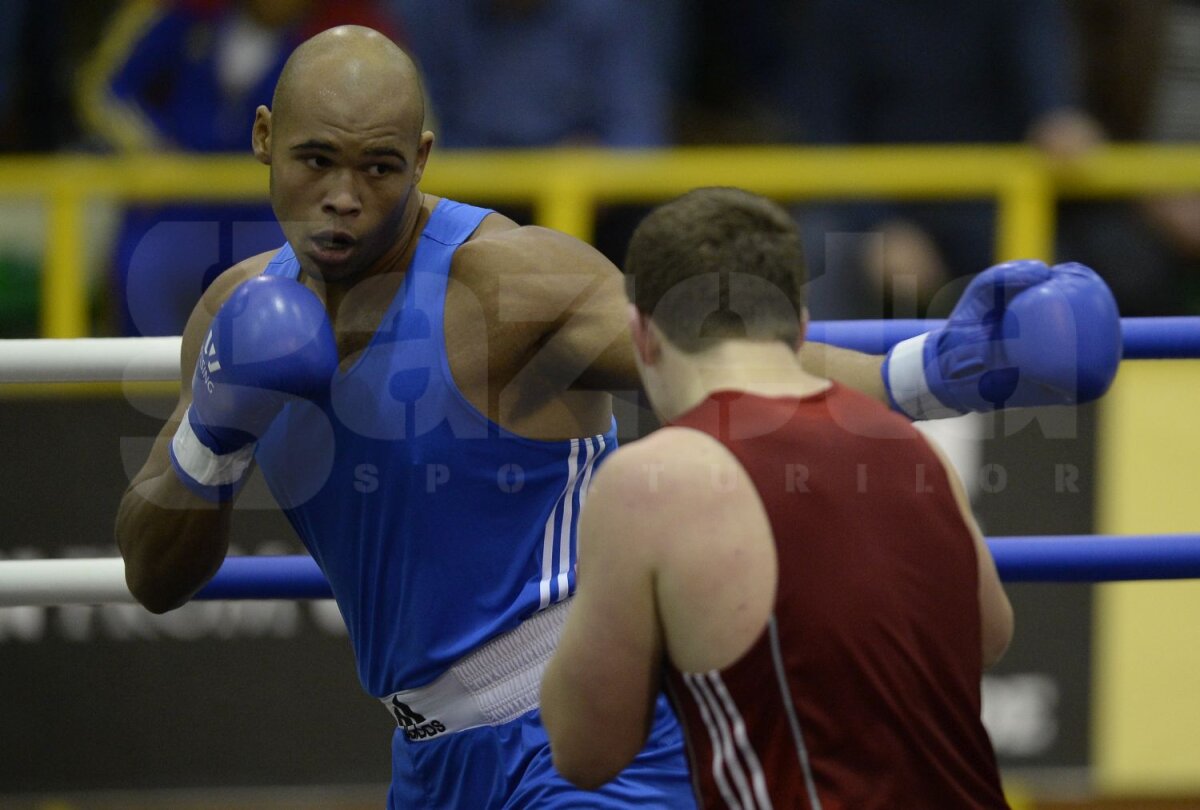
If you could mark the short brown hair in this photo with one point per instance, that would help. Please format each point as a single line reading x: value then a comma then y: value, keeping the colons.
x: 716, y: 264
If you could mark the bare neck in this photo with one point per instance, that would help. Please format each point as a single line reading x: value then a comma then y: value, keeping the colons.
x: 682, y: 381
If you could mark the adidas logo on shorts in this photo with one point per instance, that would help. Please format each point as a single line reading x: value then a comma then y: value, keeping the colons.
x: 414, y: 723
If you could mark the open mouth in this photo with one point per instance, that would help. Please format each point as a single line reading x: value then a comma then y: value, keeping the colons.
x: 332, y: 245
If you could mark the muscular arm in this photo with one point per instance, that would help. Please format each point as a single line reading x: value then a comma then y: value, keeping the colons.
x: 599, y: 690
x: 856, y: 370
x: 674, y: 550
x: 590, y: 342
x: 172, y: 540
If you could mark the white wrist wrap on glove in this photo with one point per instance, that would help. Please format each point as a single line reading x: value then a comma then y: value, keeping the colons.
x: 203, y: 465
x: 907, y: 384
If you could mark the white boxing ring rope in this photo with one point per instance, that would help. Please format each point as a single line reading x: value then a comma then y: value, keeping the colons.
x: 157, y: 358
x: 1079, y: 558
x: 89, y: 360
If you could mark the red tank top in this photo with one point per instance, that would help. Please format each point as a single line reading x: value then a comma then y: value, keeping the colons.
x: 864, y: 689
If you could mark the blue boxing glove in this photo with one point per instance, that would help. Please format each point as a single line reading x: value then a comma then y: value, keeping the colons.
x: 268, y: 344
x: 1023, y: 334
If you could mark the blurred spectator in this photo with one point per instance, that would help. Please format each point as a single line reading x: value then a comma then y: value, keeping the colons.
x: 925, y: 72
x: 518, y: 73
x: 732, y: 58
x: 1175, y: 117
x: 1141, y: 71
x: 544, y: 73
x: 188, y: 75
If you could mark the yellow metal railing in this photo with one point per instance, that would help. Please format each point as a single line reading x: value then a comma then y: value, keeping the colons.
x: 565, y: 186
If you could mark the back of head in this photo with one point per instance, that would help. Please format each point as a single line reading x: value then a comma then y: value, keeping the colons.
x: 718, y: 264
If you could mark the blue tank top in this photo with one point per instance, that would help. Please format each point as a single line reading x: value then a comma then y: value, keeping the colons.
x: 436, y: 528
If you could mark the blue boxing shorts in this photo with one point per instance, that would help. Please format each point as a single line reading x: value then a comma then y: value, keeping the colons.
x: 473, y: 738
x: 508, y: 766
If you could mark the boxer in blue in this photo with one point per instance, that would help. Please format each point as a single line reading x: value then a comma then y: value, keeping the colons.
x: 424, y: 386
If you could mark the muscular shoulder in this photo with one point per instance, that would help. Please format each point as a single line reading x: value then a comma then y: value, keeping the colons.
x: 224, y: 284
x: 668, y: 463
x: 672, y: 483
x: 535, y: 258
x: 681, y: 506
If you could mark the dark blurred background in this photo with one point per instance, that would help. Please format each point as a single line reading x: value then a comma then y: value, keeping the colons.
x: 109, y: 707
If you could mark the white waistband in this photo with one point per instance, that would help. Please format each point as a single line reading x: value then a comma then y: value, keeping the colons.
x: 498, y: 682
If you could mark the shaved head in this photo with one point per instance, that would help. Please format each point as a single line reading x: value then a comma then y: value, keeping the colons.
x: 346, y: 144
x: 352, y: 63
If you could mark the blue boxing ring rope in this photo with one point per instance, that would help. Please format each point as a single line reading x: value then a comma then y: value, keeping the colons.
x: 1064, y: 558
x: 157, y: 358
x: 1164, y: 338
x: 1053, y: 558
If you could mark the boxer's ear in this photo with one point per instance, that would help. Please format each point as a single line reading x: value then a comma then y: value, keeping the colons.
x: 646, y: 341
x: 260, y: 135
